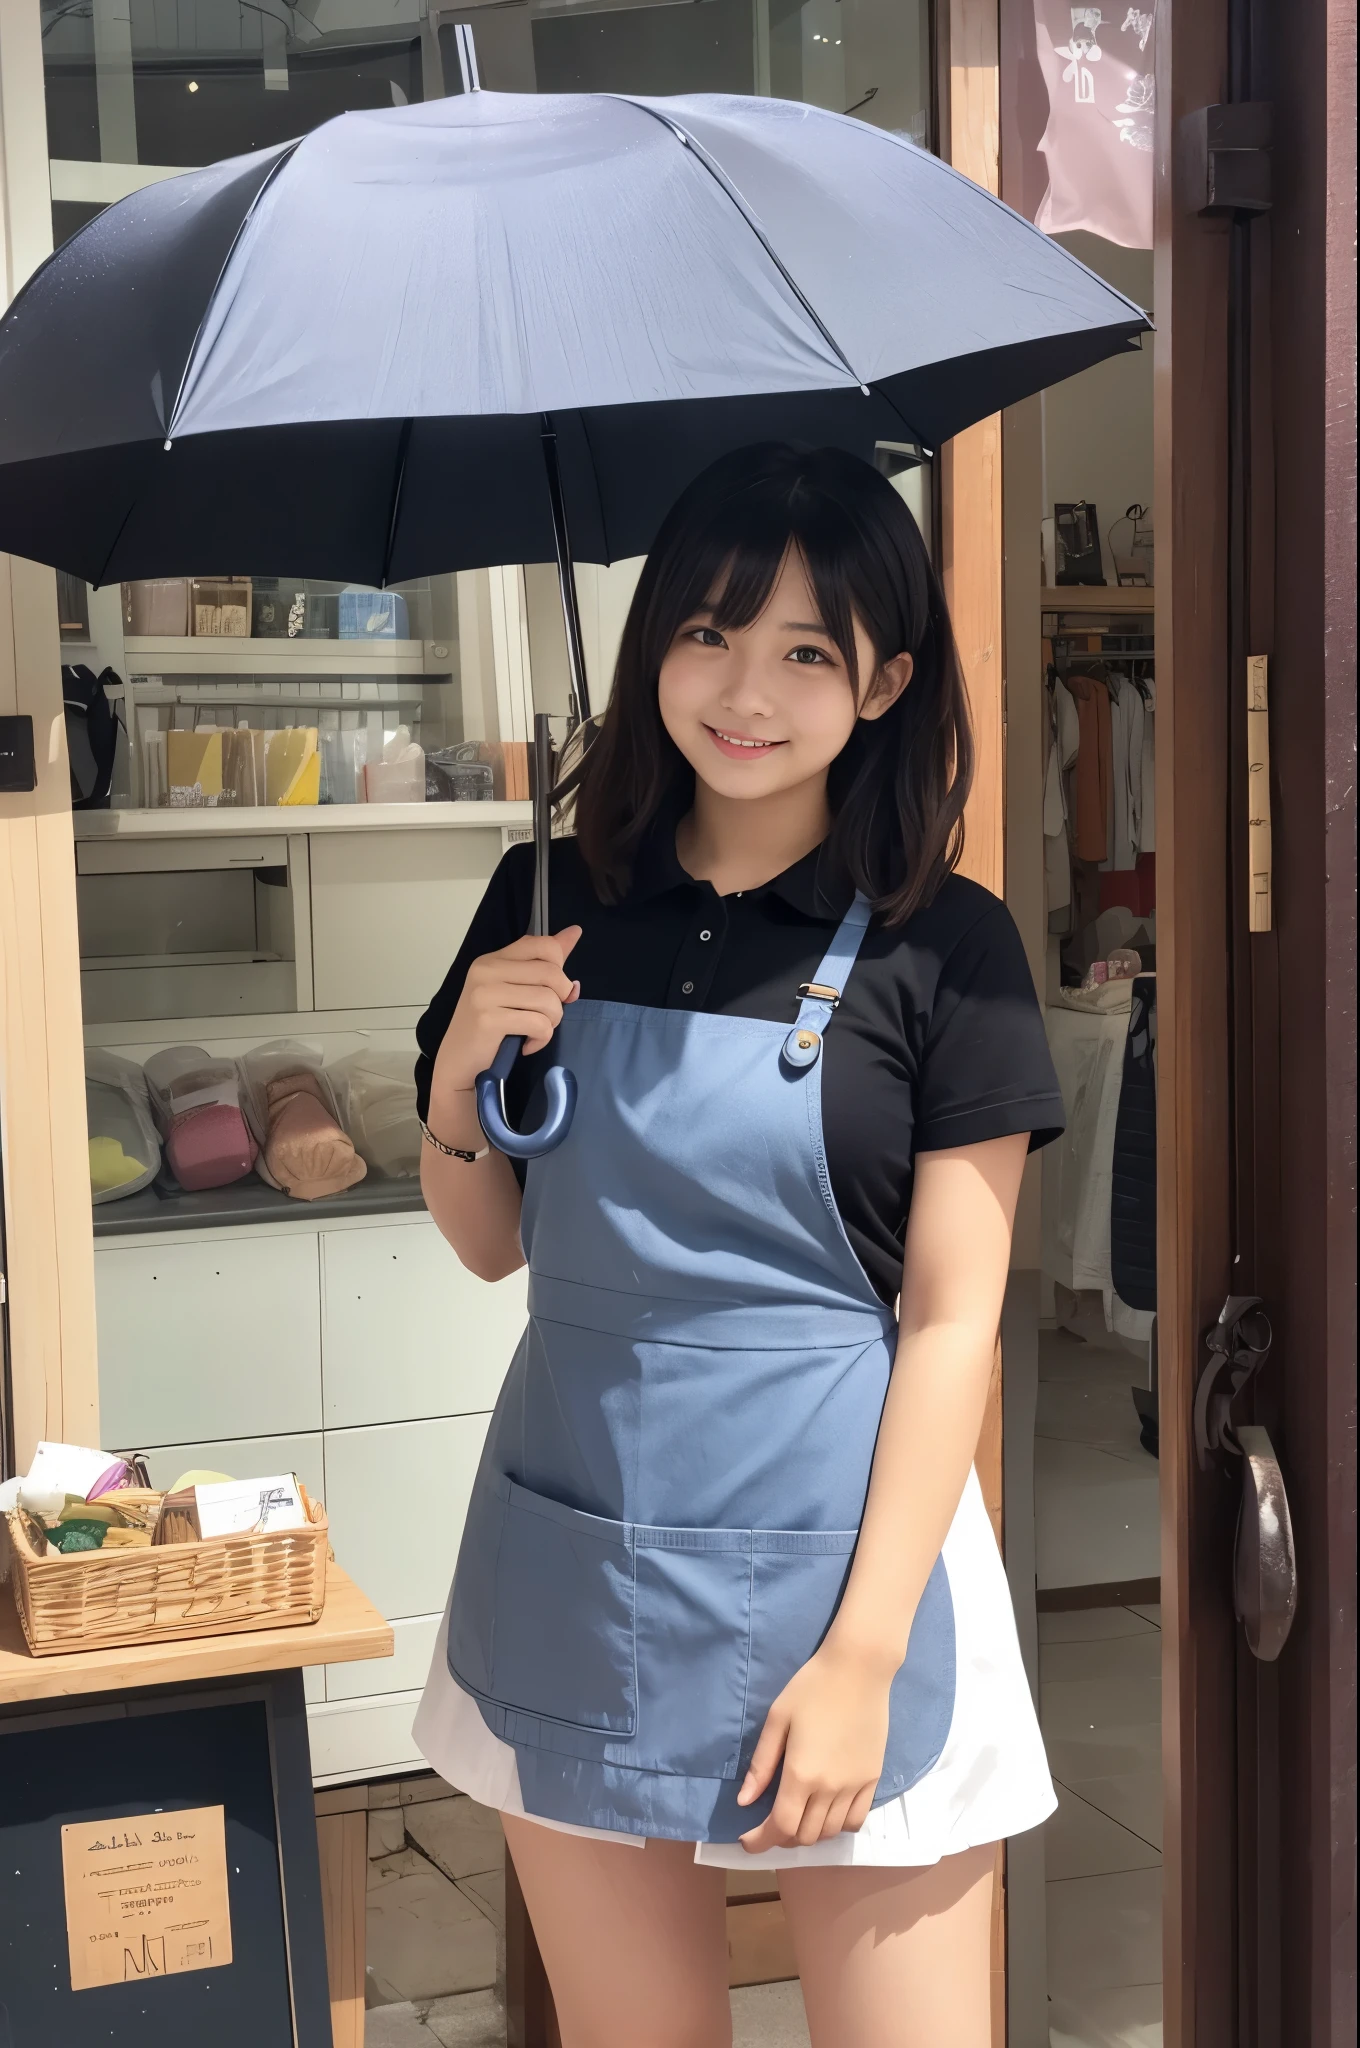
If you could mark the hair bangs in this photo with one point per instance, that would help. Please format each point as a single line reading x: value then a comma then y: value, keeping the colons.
x: 765, y: 527
x: 898, y: 788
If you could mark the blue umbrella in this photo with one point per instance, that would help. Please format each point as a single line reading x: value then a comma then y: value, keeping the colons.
x: 504, y: 328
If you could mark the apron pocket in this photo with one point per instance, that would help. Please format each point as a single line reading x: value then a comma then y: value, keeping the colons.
x: 693, y: 1643
x: 563, y: 1645
x: 797, y: 1578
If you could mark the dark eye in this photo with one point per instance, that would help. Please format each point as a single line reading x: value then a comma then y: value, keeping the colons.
x: 707, y: 636
x: 807, y: 657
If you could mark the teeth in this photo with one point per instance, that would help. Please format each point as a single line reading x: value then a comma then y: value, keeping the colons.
x: 733, y: 740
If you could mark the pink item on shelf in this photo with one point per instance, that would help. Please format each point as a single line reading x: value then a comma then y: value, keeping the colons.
x: 197, y: 1100
x: 210, y: 1147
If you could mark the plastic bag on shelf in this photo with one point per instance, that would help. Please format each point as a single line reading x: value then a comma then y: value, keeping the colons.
x: 305, y: 1150
x: 399, y: 777
x: 376, y: 1092
x: 125, y: 1153
x: 197, y: 1104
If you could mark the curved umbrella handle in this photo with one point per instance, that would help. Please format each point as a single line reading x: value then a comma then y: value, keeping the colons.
x: 560, y: 1084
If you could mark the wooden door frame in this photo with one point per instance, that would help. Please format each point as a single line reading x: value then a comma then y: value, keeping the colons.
x: 1302, y: 991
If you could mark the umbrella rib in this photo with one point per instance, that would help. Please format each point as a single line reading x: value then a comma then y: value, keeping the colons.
x: 403, y: 444
x: 725, y: 185
x: 285, y: 157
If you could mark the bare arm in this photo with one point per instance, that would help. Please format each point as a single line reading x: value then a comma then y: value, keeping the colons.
x: 830, y: 1723
x: 518, y: 992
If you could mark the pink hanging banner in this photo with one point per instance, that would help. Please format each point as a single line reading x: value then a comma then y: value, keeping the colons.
x: 1098, y: 68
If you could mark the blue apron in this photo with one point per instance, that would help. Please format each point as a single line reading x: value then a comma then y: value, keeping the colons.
x: 673, y: 1481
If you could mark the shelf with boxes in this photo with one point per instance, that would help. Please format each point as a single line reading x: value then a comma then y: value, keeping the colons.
x: 236, y: 692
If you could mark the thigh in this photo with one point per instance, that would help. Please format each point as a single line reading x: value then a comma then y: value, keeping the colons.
x: 634, y: 1941
x: 894, y: 1958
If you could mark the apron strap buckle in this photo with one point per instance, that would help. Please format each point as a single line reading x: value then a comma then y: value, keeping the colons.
x: 819, y: 992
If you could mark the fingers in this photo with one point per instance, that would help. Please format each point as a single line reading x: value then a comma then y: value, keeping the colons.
x: 550, y: 946
x: 804, y: 1814
x: 861, y: 1806
x: 766, y: 1755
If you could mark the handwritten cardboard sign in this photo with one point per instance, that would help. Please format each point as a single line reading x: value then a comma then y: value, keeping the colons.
x: 146, y: 1896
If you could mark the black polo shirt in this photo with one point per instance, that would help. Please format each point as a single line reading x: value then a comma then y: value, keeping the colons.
x: 938, y: 1040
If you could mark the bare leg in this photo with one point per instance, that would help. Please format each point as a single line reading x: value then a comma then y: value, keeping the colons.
x: 895, y: 1958
x: 634, y: 1940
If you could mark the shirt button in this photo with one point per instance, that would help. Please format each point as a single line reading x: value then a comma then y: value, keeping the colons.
x: 705, y: 935
x: 687, y: 988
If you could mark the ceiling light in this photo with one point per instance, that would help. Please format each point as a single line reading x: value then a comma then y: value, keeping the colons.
x: 193, y: 85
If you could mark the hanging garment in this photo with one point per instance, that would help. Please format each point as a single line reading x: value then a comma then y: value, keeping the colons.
x: 1092, y: 778
x: 1087, y: 1030
x: 1147, y: 829
x: 1126, y: 776
x: 1057, y: 849
x: 670, y: 1495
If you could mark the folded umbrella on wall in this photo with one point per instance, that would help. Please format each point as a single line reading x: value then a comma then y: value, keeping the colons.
x: 353, y: 353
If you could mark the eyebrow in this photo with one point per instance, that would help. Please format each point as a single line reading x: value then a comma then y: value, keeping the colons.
x: 709, y: 611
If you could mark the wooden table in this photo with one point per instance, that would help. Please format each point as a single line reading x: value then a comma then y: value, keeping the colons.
x: 212, y: 1721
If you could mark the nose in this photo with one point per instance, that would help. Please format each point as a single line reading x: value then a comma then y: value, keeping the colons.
x: 745, y: 689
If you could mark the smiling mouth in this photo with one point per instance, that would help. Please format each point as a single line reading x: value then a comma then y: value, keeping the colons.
x: 734, y: 743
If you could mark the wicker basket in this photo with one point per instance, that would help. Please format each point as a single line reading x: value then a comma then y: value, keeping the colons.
x: 106, y: 1599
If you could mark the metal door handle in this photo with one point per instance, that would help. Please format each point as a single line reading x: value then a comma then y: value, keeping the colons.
x: 1265, y: 1570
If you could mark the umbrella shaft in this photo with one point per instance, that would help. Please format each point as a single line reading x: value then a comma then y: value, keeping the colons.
x: 566, y: 578
x: 539, y: 921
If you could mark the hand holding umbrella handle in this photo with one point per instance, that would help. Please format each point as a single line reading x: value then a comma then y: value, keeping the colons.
x: 560, y: 1084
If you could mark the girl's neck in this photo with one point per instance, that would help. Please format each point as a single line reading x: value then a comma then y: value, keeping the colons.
x: 739, y: 843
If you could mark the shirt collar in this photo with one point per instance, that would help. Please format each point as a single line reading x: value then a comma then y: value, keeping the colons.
x: 807, y: 887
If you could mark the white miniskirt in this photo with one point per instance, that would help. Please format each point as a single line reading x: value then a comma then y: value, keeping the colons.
x: 989, y: 1781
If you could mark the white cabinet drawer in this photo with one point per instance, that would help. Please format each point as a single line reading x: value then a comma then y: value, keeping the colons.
x: 406, y: 1669
x: 216, y: 1339
x: 159, y: 856
x: 408, y: 1332
x: 397, y: 1499
x: 389, y: 910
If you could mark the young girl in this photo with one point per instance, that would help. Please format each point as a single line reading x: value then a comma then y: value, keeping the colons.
x: 728, y: 1596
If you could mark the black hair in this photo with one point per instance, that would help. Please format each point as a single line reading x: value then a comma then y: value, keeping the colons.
x: 898, y: 787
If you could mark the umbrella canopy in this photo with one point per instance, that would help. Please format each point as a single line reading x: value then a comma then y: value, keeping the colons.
x: 340, y: 354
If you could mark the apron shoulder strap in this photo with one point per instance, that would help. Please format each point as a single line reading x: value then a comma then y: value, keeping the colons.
x: 821, y: 995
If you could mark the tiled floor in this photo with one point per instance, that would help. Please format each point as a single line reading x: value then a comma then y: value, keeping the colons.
x: 1096, y: 1522
x: 1095, y: 1487
x: 1099, y: 1692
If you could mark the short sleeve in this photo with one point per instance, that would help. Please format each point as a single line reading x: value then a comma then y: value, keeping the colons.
x: 500, y: 918
x: 986, y: 1071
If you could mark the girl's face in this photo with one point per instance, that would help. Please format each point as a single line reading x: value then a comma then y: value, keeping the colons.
x: 762, y: 708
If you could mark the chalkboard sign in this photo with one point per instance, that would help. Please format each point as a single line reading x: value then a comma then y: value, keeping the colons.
x: 137, y: 1913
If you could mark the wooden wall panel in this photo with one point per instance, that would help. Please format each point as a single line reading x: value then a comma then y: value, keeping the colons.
x: 970, y: 482
x: 50, y: 1250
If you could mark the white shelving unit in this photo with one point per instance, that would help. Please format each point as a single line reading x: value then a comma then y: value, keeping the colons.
x: 263, y: 659
x: 128, y: 826
x: 242, y: 1331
